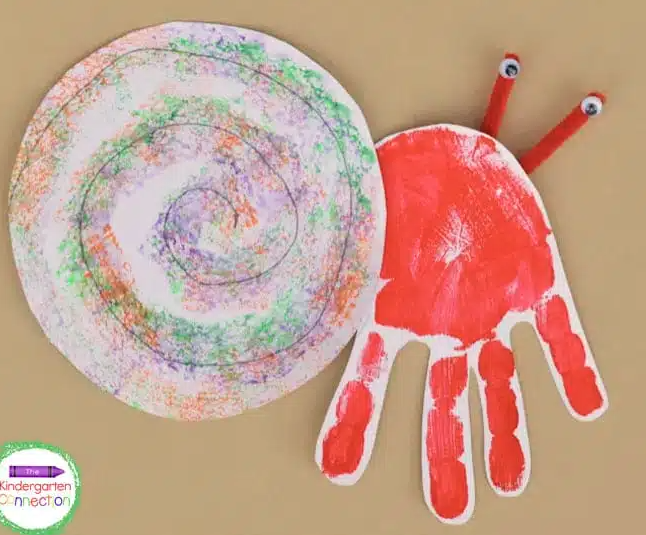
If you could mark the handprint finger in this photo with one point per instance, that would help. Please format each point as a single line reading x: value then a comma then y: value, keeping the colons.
x: 349, y: 430
x: 568, y: 353
x: 447, y: 470
x: 506, y: 444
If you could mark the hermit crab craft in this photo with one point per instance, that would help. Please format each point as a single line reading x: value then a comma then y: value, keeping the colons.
x: 469, y: 254
x: 197, y: 218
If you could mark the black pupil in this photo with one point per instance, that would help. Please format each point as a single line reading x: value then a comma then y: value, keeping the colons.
x: 591, y: 109
x: 511, y: 70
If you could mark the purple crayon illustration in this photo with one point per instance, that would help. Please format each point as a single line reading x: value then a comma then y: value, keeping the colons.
x: 35, y: 471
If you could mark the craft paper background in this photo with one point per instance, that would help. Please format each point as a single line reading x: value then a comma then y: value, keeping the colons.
x: 407, y: 64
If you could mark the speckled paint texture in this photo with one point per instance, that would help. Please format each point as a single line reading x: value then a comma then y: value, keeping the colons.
x: 197, y: 218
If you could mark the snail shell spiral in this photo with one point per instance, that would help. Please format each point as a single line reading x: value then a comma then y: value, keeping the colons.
x: 197, y: 218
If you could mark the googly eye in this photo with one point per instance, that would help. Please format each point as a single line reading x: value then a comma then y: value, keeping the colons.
x: 591, y: 105
x: 509, y: 68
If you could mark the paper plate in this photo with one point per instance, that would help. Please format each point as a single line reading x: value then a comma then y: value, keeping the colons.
x: 197, y: 218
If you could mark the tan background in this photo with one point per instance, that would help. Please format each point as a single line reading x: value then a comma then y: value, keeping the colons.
x: 408, y: 63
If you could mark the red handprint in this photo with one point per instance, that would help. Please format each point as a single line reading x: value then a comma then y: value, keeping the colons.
x: 469, y: 254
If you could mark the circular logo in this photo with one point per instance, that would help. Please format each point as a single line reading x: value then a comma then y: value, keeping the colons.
x: 39, y: 488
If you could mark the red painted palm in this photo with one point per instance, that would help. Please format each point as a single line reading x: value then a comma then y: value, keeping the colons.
x: 469, y: 254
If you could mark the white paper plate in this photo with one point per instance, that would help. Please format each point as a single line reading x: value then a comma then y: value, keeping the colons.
x: 197, y: 217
